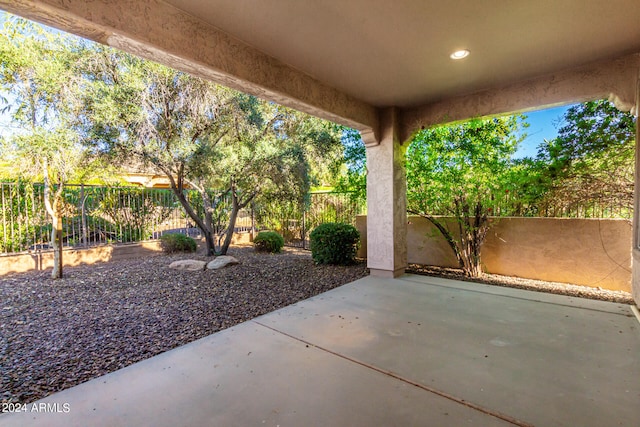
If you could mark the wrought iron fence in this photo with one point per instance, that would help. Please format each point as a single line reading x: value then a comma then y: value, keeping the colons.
x: 589, y: 206
x: 22, y: 217
x: 92, y: 215
x: 295, y: 220
x: 97, y: 215
x: 553, y: 205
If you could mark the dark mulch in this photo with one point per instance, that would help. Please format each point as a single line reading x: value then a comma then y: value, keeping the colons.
x: 103, y: 317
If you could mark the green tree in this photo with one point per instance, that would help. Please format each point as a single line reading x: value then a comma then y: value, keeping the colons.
x: 149, y: 116
x: 354, y: 177
x: 40, y: 79
x: 591, y: 162
x: 461, y: 171
x: 320, y: 142
x: 201, y: 136
x: 133, y: 211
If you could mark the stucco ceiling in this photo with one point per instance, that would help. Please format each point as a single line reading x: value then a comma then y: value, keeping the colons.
x: 390, y: 53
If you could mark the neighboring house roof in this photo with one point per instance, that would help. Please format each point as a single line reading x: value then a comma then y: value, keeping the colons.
x: 148, y: 180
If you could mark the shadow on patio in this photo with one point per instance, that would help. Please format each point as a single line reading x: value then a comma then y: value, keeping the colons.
x: 411, y: 351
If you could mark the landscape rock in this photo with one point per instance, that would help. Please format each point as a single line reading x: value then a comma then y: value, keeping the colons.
x: 222, y: 261
x: 188, y: 265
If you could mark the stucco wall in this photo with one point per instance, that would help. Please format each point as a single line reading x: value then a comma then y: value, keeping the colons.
x: 22, y: 262
x: 588, y: 252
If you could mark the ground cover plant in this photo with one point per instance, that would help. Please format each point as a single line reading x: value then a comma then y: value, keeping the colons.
x: 268, y: 241
x: 99, y: 318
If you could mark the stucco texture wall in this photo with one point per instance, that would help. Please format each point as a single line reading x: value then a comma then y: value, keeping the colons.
x: 590, y: 252
x: 19, y: 263
x: 22, y: 262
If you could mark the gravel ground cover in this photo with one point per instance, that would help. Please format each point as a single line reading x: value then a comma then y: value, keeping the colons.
x: 528, y: 284
x: 103, y: 317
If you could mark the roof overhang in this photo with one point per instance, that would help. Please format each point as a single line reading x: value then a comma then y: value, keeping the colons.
x: 348, y: 61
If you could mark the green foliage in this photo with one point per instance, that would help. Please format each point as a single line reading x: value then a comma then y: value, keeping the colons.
x: 590, y: 129
x: 76, y: 101
x: 177, y: 243
x: 334, y: 243
x: 22, y: 217
x: 268, y: 241
x: 453, y: 165
x: 133, y: 211
x: 333, y: 207
x: 79, y: 100
x: 354, y: 178
x: 40, y: 73
x: 204, y: 136
x: 283, y: 216
x: 40, y: 82
x: 459, y: 171
x: 588, y: 170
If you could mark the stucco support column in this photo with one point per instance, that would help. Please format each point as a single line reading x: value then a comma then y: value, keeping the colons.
x: 635, y: 268
x: 386, y: 198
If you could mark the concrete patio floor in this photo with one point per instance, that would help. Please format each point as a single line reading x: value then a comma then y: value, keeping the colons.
x: 413, y: 351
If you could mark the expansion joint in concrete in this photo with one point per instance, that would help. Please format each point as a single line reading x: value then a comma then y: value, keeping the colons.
x: 440, y: 393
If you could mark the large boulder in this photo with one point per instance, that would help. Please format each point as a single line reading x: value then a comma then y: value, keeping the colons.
x: 188, y: 265
x: 222, y: 261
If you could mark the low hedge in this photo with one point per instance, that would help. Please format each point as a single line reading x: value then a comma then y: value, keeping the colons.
x: 268, y: 241
x: 176, y: 242
x: 334, y: 243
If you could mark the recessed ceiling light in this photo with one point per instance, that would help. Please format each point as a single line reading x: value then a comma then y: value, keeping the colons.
x: 459, y: 54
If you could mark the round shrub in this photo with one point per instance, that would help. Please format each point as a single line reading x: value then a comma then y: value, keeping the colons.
x: 268, y: 241
x: 334, y: 243
x: 176, y: 242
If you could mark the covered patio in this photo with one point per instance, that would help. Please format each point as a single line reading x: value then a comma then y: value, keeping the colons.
x: 387, y: 70
x: 412, y: 351
x: 391, y: 349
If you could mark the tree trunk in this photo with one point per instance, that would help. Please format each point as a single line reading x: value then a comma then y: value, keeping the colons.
x: 235, y: 210
x: 230, y: 227
x: 447, y: 236
x: 56, y: 241
x: 206, y: 231
x: 53, y: 209
x: 467, y: 249
x: 210, y: 242
x: 178, y: 189
x: 208, y: 222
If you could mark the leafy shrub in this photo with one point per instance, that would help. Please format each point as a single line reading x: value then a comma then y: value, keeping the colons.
x: 134, y: 211
x: 176, y: 242
x: 334, y: 243
x: 268, y: 241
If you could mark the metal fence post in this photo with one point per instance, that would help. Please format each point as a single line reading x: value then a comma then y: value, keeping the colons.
x: 253, y: 221
x: 304, y: 227
x: 83, y: 217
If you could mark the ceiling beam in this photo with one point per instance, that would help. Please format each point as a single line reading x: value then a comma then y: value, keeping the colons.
x: 614, y: 79
x: 160, y: 32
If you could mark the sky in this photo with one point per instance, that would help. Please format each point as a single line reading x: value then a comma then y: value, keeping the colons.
x: 543, y: 124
